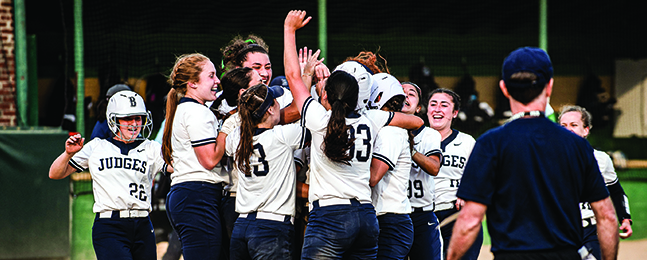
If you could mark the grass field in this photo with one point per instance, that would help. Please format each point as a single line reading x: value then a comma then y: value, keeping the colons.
x: 83, y: 217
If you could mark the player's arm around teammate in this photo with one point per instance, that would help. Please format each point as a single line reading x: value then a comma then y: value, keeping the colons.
x: 429, y: 161
x: 390, y: 169
x: 342, y: 220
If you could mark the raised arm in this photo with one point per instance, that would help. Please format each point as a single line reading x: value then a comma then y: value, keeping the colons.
x: 61, y: 168
x: 294, y: 21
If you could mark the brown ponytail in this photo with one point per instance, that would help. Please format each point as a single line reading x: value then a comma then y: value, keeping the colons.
x: 249, y: 101
x: 342, y: 91
x: 187, y: 68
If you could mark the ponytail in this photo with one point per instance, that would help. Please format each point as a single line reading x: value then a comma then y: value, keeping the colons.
x: 249, y: 101
x: 187, y: 68
x: 172, y: 101
x: 337, y: 142
x: 342, y: 91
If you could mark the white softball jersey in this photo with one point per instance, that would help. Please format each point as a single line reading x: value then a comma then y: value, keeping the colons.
x: 390, y: 193
x: 194, y: 125
x: 456, y: 149
x: 230, y: 124
x: 271, y: 185
x: 421, y: 187
x: 328, y: 179
x: 121, y: 178
x: 608, y: 174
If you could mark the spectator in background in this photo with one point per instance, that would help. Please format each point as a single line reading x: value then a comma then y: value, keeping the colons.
x: 101, y: 129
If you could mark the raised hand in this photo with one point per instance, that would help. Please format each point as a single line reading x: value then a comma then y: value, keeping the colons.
x: 74, y: 144
x: 295, y: 20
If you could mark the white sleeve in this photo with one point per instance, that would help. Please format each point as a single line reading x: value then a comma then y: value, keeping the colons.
x: 231, y: 144
x: 291, y: 134
x: 156, y: 158
x: 431, y: 144
x: 606, y: 167
x: 386, y: 148
x: 202, y: 127
x: 80, y: 160
x: 314, y: 116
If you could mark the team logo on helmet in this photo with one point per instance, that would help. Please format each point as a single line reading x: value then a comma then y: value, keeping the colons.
x: 127, y: 103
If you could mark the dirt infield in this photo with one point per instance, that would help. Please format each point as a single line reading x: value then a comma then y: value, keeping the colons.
x: 629, y: 250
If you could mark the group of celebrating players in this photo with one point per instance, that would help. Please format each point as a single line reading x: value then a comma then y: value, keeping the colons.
x: 377, y: 181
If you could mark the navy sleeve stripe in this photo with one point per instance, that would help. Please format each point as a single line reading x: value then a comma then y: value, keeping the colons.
x: 435, y: 151
x: 203, y: 142
x: 391, y: 115
x: 75, y: 165
x: 612, y: 182
x: 306, y: 104
x: 385, y: 160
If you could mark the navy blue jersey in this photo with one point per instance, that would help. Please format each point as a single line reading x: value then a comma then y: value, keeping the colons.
x: 532, y: 173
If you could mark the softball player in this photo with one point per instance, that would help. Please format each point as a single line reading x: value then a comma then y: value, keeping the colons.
x: 263, y: 155
x: 578, y: 120
x: 190, y: 145
x: 456, y: 147
x: 426, y: 161
x: 342, y: 221
x: 390, y: 169
x: 122, y: 169
x: 233, y: 83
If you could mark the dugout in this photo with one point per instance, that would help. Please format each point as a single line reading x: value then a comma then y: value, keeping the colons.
x: 35, y: 210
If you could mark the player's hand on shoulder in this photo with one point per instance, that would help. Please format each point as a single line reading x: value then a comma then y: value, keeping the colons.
x: 74, y: 143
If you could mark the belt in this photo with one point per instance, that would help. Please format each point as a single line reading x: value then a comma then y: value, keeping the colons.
x: 590, y: 221
x: 267, y: 216
x: 226, y: 193
x: 445, y: 206
x: 127, y: 213
x: 332, y: 201
x: 423, y: 209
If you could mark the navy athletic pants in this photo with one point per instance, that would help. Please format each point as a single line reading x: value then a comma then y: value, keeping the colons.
x: 123, y: 238
x: 254, y: 238
x: 396, y: 236
x: 427, y: 243
x: 446, y: 231
x: 192, y: 208
x: 341, y: 231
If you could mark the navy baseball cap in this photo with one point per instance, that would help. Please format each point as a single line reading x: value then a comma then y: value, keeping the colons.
x: 527, y: 59
x: 272, y: 93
